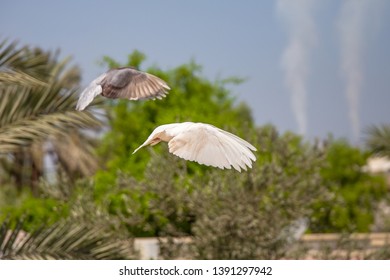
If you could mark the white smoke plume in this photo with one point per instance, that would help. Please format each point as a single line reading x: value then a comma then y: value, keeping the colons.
x: 353, y: 26
x: 298, y: 18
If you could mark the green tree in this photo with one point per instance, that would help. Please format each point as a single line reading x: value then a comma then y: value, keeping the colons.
x: 353, y: 194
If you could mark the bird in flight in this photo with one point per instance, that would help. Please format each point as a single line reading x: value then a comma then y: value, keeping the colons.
x: 126, y: 83
x: 205, y: 144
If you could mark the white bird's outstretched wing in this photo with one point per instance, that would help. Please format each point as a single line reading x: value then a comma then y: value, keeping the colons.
x: 205, y: 144
x: 129, y: 83
x: 212, y: 146
x: 89, y: 93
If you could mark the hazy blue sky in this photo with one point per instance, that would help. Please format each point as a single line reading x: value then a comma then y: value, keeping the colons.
x: 314, y: 67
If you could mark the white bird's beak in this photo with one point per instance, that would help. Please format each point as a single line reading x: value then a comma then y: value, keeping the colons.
x: 143, y: 145
x: 152, y: 142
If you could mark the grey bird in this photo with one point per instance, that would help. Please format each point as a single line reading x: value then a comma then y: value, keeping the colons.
x: 126, y: 83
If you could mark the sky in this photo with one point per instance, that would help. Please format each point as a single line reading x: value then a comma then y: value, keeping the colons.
x: 314, y: 67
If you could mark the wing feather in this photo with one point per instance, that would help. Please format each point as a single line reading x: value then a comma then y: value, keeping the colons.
x: 129, y: 83
x: 245, y: 154
x: 89, y: 93
x: 209, y: 145
x: 236, y: 158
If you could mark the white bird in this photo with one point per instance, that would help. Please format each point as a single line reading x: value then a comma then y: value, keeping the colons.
x: 205, y: 144
x: 127, y: 83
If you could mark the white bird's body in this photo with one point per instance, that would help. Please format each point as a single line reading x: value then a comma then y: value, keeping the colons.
x: 205, y: 144
x: 126, y: 83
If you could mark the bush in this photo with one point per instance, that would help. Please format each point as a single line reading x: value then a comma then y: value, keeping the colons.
x: 352, y: 194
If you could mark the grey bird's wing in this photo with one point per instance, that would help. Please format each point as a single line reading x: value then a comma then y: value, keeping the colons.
x: 89, y: 93
x: 129, y: 83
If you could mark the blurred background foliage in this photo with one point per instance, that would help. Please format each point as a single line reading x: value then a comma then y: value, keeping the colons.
x: 69, y: 177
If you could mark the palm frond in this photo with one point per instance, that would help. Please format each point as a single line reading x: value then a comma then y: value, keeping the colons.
x: 16, y: 77
x: 33, y: 113
x: 21, y: 65
x: 76, y: 154
x: 63, y: 240
x: 378, y: 139
x: 37, y: 105
x: 26, y: 131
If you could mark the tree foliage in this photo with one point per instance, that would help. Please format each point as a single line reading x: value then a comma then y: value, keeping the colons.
x: 353, y: 195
